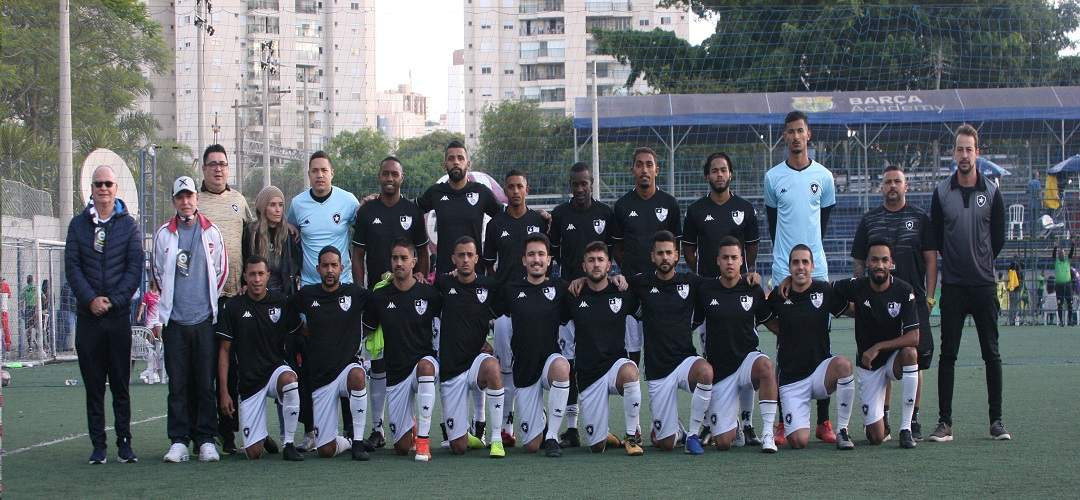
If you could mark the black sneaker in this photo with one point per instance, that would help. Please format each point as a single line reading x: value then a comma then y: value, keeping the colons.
x: 705, y: 434
x: 359, y: 451
x: 843, y: 440
x: 479, y: 429
x: 228, y: 446
x: 270, y: 446
x: 124, y: 453
x: 998, y: 431
x: 97, y: 457
x: 751, y: 436
x: 570, y: 438
x: 906, y: 441
x: 291, y: 454
x: 552, y: 448
x: 942, y: 434
x: 375, y: 440
x: 916, y: 430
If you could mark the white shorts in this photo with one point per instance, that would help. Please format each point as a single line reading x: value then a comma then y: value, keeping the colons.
x: 634, y: 336
x: 566, y: 340
x: 664, y: 398
x: 529, y: 402
x: 724, y: 406
x: 455, y: 398
x: 872, y: 384
x: 795, y: 398
x: 593, y: 401
x: 400, y: 399
x: 504, y: 329
x: 253, y: 409
x: 324, y: 404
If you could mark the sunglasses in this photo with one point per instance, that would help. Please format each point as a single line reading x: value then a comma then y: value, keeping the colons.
x: 216, y: 164
x: 101, y: 184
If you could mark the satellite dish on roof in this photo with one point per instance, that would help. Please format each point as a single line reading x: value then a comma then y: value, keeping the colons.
x: 126, y: 189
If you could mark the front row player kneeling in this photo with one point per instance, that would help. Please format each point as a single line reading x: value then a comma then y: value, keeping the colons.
x: 256, y: 325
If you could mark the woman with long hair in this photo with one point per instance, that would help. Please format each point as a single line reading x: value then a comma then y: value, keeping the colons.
x: 268, y: 236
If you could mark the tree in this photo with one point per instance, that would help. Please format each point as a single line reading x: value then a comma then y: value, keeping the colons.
x: 519, y: 135
x: 289, y: 178
x: 356, y: 157
x: 422, y: 159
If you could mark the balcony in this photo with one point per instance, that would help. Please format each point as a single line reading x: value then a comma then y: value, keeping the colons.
x: 608, y: 6
x: 534, y: 72
x: 263, y: 5
x: 307, y: 6
x: 534, y: 6
x: 264, y: 24
x: 607, y: 23
x: 532, y: 50
x: 545, y: 26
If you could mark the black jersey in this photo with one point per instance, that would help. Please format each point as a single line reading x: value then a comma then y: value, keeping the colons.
x: 879, y: 316
x: 599, y: 330
x: 504, y: 242
x: 636, y: 222
x: 458, y: 212
x: 466, y: 317
x: 706, y: 223
x: 731, y: 316
x: 536, y: 312
x: 334, y: 329
x: 667, y: 310
x: 258, y: 331
x: 376, y: 228
x: 573, y: 229
x: 804, y: 320
x: 908, y: 231
x: 406, y: 318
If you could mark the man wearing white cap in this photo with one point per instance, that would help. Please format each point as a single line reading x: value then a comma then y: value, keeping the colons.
x: 191, y: 265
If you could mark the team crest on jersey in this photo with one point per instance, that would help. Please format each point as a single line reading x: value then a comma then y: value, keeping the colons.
x: 532, y: 229
x: 661, y: 214
x: 481, y: 294
x: 816, y: 298
x: 345, y: 302
x: 449, y: 423
x: 910, y: 224
x: 472, y: 198
x: 421, y: 306
x: 549, y: 292
x: 589, y: 429
x: 737, y: 216
x: 235, y: 208
x: 598, y: 225
x: 275, y: 314
x: 894, y: 308
x: 814, y: 188
x: 981, y: 200
x: 615, y: 303
x: 683, y: 289
x: 406, y: 222
x: 337, y: 218
x: 746, y: 301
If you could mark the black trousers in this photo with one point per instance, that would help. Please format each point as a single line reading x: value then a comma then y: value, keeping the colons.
x: 1064, y: 303
x: 190, y: 361
x: 104, y: 347
x: 981, y: 303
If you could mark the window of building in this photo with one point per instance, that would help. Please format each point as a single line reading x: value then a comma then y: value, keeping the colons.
x: 643, y: 22
x: 665, y: 20
x: 486, y: 70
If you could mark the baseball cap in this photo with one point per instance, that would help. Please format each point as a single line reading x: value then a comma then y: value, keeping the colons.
x: 183, y: 183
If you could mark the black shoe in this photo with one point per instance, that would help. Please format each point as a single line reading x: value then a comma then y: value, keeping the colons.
x: 751, y: 436
x: 843, y: 440
x: 998, y: 432
x: 124, y: 453
x: 97, y: 457
x: 916, y: 430
x: 552, y: 448
x: 270, y: 446
x: 228, y: 446
x: 943, y: 433
x: 359, y: 452
x: 291, y: 454
x: 906, y: 441
x: 375, y: 440
x: 479, y: 429
x: 570, y: 438
x: 705, y: 434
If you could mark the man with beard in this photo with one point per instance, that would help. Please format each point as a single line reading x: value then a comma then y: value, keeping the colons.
x: 332, y: 313
x: 459, y: 205
x: 708, y: 220
x: 908, y: 230
x: 639, y: 214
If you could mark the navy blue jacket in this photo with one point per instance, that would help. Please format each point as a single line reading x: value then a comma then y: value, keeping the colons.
x: 115, y: 273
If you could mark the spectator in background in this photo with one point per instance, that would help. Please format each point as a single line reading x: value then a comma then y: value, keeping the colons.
x: 46, y: 314
x: 1063, y: 284
x: 5, y: 298
x: 66, y: 317
x: 1014, y: 283
x: 28, y: 298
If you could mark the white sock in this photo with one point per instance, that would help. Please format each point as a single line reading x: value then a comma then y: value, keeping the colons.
x: 495, y: 399
x: 341, y: 445
x: 746, y: 406
x: 699, y: 404
x: 425, y: 402
x: 478, y: 401
x: 378, y: 400
x: 556, y: 407
x: 508, y: 402
x: 358, y: 408
x: 571, y: 416
x: 768, y: 414
x: 290, y: 407
x: 632, y: 406
x: 845, y: 393
x: 910, y: 382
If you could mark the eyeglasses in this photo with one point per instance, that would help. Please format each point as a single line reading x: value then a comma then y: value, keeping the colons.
x: 217, y: 164
x: 101, y: 184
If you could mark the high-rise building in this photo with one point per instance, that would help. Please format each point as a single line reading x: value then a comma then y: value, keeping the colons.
x: 328, y: 43
x: 542, y: 51
x: 402, y: 113
x: 456, y: 93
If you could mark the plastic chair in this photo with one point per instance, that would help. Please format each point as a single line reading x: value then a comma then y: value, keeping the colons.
x: 1016, y: 221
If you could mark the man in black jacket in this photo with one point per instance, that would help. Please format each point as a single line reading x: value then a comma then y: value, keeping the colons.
x: 103, y: 262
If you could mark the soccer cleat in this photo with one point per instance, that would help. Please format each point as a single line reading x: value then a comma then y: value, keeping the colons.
x: 825, y: 432
x: 843, y: 440
x: 97, y: 457
x: 778, y: 434
x: 768, y: 444
x: 942, y: 434
x: 888, y: 432
x: 479, y: 429
x: 998, y: 431
x: 445, y: 445
x: 633, y: 446
x: 706, y: 434
x: 751, y: 436
x: 308, y: 444
x: 124, y: 453
x: 423, y: 450
x: 360, y: 452
x: 552, y: 448
x: 570, y: 438
x: 508, y: 439
x: 208, y: 453
x: 916, y: 430
x: 906, y: 441
x: 612, y: 441
x: 375, y: 440
x: 228, y: 446
x: 475, y: 443
x: 178, y: 452
x: 693, y: 445
x: 291, y: 454
x: 497, y: 450
x: 271, y: 446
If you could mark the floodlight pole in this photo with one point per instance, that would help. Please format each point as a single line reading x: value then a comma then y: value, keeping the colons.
x: 595, y: 137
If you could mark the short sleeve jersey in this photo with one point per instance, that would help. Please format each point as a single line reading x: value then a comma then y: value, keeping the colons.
x: 258, y: 331
x: 731, y: 316
x: 536, y: 312
x: 573, y: 229
x: 334, y: 329
x: 706, y: 223
x: 458, y: 212
x: 406, y: 318
x: 599, y: 330
x: 504, y: 242
x: 323, y: 223
x: 376, y: 228
x: 798, y: 197
x: 467, y: 311
x: 908, y: 231
x: 804, y: 320
x: 667, y: 310
x: 879, y: 316
x: 636, y: 222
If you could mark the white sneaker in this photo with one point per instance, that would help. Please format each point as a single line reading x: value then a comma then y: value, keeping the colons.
x: 740, y: 438
x: 155, y: 378
x: 768, y: 444
x: 178, y: 452
x: 208, y: 453
x: 308, y: 444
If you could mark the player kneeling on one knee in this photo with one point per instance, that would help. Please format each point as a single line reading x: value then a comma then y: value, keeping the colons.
x: 489, y: 380
x: 356, y: 384
x: 797, y: 405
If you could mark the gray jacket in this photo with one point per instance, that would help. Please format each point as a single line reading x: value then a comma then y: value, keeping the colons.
x: 969, y: 225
